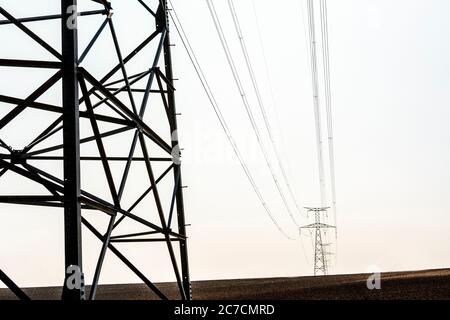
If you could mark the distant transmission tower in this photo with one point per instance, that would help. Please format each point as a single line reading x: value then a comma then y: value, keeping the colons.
x: 320, y: 254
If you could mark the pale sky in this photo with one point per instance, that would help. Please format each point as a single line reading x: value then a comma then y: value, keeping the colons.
x: 390, y: 75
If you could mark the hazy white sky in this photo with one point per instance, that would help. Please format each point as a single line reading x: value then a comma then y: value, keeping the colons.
x: 389, y: 75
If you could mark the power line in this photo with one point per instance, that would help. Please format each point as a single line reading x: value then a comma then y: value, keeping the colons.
x: 327, y: 80
x: 274, y: 103
x: 317, y: 115
x: 248, y: 110
x: 266, y: 64
x: 327, y: 97
x: 204, y: 82
x: 260, y: 100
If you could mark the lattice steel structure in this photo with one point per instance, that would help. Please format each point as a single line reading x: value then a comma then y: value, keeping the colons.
x: 111, y: 101
x: 320, y: 254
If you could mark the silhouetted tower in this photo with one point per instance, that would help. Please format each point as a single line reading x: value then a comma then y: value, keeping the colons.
x: 320, y: 254
x: 96, y: 117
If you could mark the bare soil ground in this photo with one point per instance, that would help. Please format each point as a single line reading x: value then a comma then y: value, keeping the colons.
x: 427, y: 284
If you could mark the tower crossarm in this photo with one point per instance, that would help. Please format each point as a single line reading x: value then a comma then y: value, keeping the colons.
x: 317, y: 225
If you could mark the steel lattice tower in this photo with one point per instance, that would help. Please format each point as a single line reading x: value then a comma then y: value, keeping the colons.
x: 320, y: 254
x: 110, y: 105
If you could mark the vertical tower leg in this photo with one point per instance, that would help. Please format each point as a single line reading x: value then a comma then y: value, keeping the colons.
x: 177, y: 170
x: 317, y: 243
x: 74, y: 283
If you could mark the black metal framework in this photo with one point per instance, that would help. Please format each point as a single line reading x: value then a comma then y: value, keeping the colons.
x: 120, y: 97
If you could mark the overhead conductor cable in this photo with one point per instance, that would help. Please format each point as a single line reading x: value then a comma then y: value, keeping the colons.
x: 317, y: 115
x: 260, y: 100
x: 248, y: 110
x: 199, y: 71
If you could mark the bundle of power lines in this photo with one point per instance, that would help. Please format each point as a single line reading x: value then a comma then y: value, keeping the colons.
x: 261, y: 107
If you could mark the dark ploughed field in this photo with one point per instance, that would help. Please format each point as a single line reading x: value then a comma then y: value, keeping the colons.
x: 427, y: 284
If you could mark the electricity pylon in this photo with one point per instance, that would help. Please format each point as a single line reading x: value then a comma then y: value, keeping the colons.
x: 320, y: 254
x: 100, y: 110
